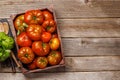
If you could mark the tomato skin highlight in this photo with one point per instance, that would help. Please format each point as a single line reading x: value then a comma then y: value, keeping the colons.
x: 25, y: 55
x: 47, y: 15
x: 34, y: 32
x: 49, y: 25
x: 54, y: 43
x: 54, y: 58
x: 19, y: 23
x: 34, y: 17
x: 40, y: 48
x: 23, y: 40
x: 46, y: 36
x: 41, y: 62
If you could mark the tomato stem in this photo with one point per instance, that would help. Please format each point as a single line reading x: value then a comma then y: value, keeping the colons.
x: 43, y: 45
x: 26, y: 55
x: 34, y: 17
x: 48, y: 27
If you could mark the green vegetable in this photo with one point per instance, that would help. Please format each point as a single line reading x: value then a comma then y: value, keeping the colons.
x: 4, y: 55
x: 6, y: 44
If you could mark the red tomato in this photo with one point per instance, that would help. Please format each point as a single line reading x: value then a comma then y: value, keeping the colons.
x: 23, y: 40
x: 54, y: 43
x: 25, y: 55
x: 54, y: 57
x: 55, y: 36
x: 49, y: 25
x: 47, y: 15
x: 19, y: 23
x: 41, y: 62
x: 46, y: 36
x: 40, y: 48
x: 32, y: 65
x: 34, y: 17
x: 34, y: 32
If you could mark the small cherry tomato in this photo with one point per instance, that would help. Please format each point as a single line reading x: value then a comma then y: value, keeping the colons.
x: 41, y: 62
x: 54, y: 43
x: 46, y: 36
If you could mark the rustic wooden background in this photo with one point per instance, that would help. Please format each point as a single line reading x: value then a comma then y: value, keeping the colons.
x: 90, y: 31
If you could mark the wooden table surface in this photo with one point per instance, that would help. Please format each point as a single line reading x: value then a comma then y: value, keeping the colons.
x: 90, y: 31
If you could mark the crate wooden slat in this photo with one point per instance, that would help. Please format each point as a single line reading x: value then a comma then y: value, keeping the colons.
x: 65, y: 8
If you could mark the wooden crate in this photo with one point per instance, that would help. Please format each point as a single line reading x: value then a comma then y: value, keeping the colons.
x: 20, y: 65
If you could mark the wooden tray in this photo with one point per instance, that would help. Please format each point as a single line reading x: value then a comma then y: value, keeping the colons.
x: 21, y: 66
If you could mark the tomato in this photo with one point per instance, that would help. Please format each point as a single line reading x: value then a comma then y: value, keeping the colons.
x: 47, y: 15
x: 34, y: 32
x: 54, y: 57
x: 55, y: 36
x: 25, y: 55
x: 34, y: 17
x: 23, y: 40
x: 49, y: 25
x: 40, y: 48
x: 41, y: 62
x: 46, y: 36
x: 19, y: 23
x: 32, y: 65
x: 54, y: 43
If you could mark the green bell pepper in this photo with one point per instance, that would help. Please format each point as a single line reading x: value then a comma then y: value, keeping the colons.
x: 6, y: 44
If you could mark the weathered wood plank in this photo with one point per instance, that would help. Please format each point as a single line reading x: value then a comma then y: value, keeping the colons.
x: 64, y: 76
x: 91, y: 46
x: 89, y: 27
x: 92, y: 63
x: 75, y: 9
x: 101, y: 63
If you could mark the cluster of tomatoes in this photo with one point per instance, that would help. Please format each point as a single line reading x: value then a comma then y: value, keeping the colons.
x: 39, y: 45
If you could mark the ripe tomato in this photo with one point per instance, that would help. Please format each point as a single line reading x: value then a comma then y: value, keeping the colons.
x: 34, y: 32
x: 54, y: 43
x: 23, y: 40
x: 49, y: 25
x: 19, y: 23
x: 25, y: 55
x: 54, y: 57
x: 32, y: 65
x: 41, y: 62
x: 34, y: 17
x: 40, y: 48
x: 47, y: 15
x: 55, y: 36
x: 46, y: 36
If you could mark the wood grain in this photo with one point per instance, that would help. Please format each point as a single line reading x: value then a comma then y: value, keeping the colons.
x: 93, y: 64
x: 89, y: 27
x: 75, y: 9
x: 91, y: 46
x: 64, y: 76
